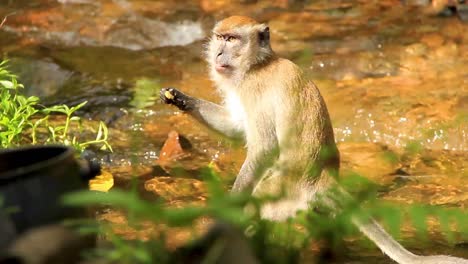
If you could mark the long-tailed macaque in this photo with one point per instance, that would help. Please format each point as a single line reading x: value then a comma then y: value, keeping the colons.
x: 285, y: 123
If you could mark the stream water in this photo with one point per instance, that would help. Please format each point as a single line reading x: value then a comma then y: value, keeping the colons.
x: 395, y: 79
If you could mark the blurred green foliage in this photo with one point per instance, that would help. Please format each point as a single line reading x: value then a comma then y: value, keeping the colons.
x: 271, y: 242
x: 22, y: 119
x: 146, y: 91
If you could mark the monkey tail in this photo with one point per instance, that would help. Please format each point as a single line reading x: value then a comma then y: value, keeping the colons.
x: 384, y: 241
x: 389, y: 246
x: 394, y: 250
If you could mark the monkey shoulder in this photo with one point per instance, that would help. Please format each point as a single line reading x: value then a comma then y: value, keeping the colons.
x: 288, y: 67
x: 291, y: 76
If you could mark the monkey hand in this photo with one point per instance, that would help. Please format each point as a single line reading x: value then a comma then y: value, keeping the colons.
x: 174, y: 97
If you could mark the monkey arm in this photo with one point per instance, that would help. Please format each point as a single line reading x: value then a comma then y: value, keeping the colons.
x: 257, y: 165
x: 208, y: 113
x: 244, y: 179
x: 216, y: 117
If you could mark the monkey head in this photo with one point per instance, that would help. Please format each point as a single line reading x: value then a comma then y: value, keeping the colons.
x: 238, y: 43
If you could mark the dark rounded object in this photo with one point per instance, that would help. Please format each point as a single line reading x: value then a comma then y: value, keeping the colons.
x: 462, y: 11
x: 32, y: 182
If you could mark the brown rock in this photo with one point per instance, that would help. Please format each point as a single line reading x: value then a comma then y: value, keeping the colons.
x: 433, y: 40
x: 171, y: 150
x: 448, y: 50
x: 213, y: 6
x: 172, y: 189
x: 369, y: 160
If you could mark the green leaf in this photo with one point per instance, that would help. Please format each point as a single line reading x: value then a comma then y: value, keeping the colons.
x: 184, y: 216
x: 418, y: 216
x: 100, y: 132
x: 7, y: 84
x: 213, y: 183
x: 73, y: 109
x: 413, y: 147
x: 33, y: 99
x: 444, y: 220
x: 392, y: 217
x: 145, y: 93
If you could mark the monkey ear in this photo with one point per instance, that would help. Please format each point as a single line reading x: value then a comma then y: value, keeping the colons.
x: 264, y: 36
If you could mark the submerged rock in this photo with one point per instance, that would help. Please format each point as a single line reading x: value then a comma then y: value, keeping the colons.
x: 176, y: 189
x: 96, y: 23
x: 172, y: 149
x: 370, y: 160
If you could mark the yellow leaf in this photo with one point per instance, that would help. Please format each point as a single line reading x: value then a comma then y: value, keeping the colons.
x: 102, y: 182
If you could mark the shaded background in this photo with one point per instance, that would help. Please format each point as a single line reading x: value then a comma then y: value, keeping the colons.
x: 393, y: 74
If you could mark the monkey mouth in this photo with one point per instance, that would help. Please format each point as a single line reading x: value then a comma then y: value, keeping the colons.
x: 222, y: 68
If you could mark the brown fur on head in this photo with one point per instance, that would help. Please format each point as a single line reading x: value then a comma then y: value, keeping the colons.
x: 234, y: 22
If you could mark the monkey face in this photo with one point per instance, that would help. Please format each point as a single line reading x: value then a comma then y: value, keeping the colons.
x: 227, y: 50
x: 237, y: 44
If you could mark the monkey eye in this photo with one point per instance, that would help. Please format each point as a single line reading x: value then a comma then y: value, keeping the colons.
x: 230, y: 38
x: 219, y: 37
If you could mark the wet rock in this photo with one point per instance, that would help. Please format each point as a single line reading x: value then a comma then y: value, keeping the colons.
x: 120, y: 226
x: 454, y: 31
x: 132, y: 178
x: 93, y: 24
x: 224, y: 8
x: 417, y: 2
x: 89, y: 155
x: 449, y: 50
x: 422, y: 104
x: 172, y: 189
x: 433, y: 40
x: 434, y: 162
x: 56, y: 84
x: 369, y: 160
x: 145, y: 230
x: 373, y: 65
x: 442, y: 7
x: 462, y: 11
x: 123, y: 175
x: 114, y: 63
x: 172, y: 149
x: 358, y: 65
x: 414, y: 65
x: 41, y: 78
x: 434, y: 190
x: 137, y: 33
x: 417, y: 49
x: 212, y: 6
x: 290, y: 23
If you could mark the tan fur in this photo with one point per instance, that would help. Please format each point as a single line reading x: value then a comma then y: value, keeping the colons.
x: 234, y: 22
x: 285, y: 123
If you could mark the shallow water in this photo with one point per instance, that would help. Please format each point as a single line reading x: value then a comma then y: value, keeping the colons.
x: 394, y: 79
